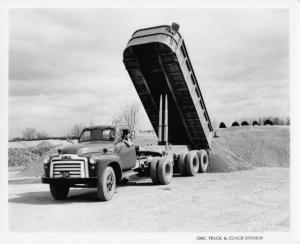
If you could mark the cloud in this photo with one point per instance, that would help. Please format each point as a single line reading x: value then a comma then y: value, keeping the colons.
x: 65, y: 65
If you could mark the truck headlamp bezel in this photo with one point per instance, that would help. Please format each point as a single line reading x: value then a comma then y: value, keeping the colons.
x: 46, y: 160
x: 92, y: 160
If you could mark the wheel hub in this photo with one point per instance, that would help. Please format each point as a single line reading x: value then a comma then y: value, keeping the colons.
x: 110, y: 182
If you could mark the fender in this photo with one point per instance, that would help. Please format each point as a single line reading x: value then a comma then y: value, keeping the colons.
x: 102, y: 161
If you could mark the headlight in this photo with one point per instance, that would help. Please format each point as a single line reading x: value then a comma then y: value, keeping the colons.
x: 93, y: 160
x: 46, y: 160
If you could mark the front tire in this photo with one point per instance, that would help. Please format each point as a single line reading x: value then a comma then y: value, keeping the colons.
x: 106, y: 184
x: 59, y: 191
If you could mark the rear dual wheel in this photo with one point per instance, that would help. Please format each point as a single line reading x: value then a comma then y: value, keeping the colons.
x: 154, y: 170
x: 181, y: 163
x: 203, y: 158
x: 190, y: 163
x: 161, y: 170
x: 165, y: 170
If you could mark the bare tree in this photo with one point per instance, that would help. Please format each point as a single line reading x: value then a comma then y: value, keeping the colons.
x: 29, y: 133
x: 128, y: 116
x: 76, y: 129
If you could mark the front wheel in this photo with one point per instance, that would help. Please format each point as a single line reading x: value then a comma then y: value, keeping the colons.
x: 59, y: 191
x: 106, y: 184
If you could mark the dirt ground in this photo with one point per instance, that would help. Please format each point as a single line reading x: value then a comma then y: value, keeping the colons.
x: 255, y: 200
x: 246, y: 190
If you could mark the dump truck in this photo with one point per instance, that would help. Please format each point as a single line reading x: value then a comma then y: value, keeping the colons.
x: 160, y: 69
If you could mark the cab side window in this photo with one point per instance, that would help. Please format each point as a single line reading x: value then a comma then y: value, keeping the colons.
x: 86, y: 135
x: 108, y: 135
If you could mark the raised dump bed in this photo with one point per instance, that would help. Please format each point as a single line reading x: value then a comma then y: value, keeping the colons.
x: 158, y: 63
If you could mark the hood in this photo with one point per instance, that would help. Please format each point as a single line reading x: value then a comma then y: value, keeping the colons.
x: 88, y: 147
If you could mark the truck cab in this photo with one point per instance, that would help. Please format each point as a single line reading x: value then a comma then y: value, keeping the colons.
x: 101, y: 152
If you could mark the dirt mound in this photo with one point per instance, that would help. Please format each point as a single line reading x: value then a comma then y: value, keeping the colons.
x: 30, y: 158
x: 21, y: 157
x: 46, y: 144
x: 39, y: 143
x: 35, y: 168
x: 259, y: 146
x: 223, y: 160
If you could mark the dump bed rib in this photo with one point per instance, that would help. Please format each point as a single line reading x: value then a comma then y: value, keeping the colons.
x: 158, y: 63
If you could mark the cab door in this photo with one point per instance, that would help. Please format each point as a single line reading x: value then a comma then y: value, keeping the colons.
x: 126, y: 152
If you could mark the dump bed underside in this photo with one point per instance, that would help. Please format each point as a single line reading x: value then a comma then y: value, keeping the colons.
x: 158, y: 63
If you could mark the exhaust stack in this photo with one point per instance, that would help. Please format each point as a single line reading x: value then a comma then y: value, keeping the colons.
x: 166, y: 121
x: 160, y: 121
x: 163, y: 135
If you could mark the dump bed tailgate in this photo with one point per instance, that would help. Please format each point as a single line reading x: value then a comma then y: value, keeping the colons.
x: 158, y: 63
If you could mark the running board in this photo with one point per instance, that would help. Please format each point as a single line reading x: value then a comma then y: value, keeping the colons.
x: 128, y: 173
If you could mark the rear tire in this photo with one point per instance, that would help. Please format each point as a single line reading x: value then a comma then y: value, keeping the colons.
x: 106, y: 185
x: 59, y: 191
x: 165, y: 170
x: 181, y: 163
x: 192, y: 163
x: 204, y: 162
x: 154, y: 170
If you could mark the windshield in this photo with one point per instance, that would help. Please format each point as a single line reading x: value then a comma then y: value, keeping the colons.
x: 97, y: 134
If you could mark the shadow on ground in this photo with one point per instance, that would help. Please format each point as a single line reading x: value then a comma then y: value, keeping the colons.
x: 44, y: 197
x: 75, y: 195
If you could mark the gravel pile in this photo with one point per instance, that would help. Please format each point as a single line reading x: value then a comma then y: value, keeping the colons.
x: 26, y: 156
x: 223, y: 160
x: 39, y: 143
x: 44, y: 144
x: 243, y: 148
x: 21, y: 157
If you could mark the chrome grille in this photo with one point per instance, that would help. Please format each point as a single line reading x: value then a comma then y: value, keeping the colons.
x: 72, y: 168
x: 69, y: 168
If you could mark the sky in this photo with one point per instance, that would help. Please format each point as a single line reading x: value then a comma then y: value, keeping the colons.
x: 65, y: 65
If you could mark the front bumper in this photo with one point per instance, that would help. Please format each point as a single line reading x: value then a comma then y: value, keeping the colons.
x: 70, y: 181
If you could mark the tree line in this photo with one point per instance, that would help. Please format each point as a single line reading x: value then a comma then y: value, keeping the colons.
x: 128, y: 115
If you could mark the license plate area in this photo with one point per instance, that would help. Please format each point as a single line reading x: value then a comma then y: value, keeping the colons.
x: 64, y: 174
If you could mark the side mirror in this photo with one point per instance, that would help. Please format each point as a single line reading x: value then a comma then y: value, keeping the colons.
x: 68, y: 139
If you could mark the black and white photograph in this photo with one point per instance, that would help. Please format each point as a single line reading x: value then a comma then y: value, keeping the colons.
x: 149, y: 120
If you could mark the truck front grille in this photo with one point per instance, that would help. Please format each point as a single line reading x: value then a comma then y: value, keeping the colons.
x: 68, y: 169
